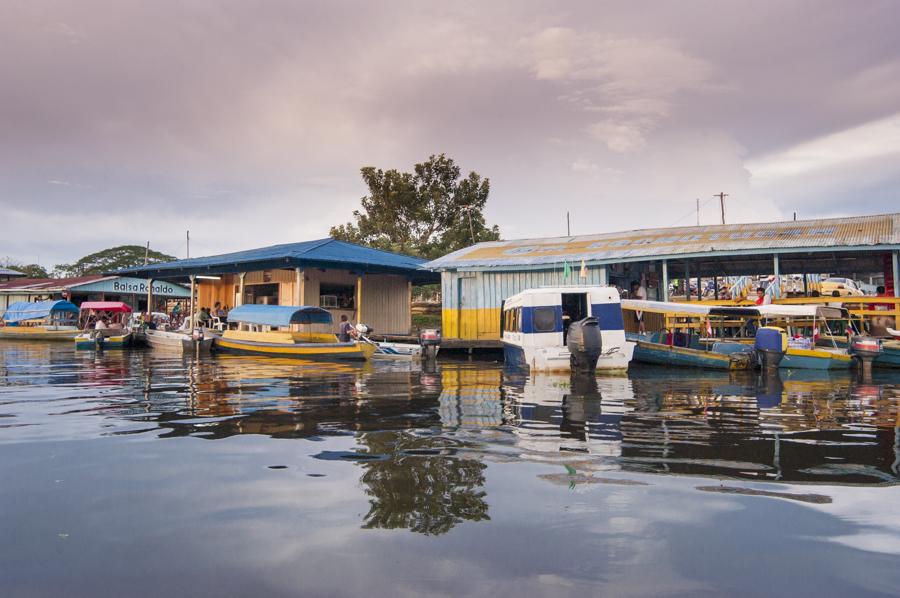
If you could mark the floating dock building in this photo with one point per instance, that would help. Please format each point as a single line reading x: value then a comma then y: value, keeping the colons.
x: 367, y: 285
x: 476, y: 280
x: 88, y: 288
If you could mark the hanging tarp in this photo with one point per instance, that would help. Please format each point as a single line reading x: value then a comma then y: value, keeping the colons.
x: 279, y: 315
x: 22, y: 311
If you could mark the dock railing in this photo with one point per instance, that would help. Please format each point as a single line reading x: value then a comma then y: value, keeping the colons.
x: 866, y: 307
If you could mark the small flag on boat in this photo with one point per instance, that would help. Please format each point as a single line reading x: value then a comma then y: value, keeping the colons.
x: 708, y: 328
x: 566, y: 269
x: 583, y: 273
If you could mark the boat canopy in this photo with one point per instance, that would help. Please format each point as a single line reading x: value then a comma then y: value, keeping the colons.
x: 112, y: 306
x: 801, y: 311
x: 279, y: 315
x: 688, y: 309
x: 22, y: 311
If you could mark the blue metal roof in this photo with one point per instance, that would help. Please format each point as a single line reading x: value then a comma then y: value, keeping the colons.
x: 10, y: 272
x: 322, y: 253
x: 21, y: 311
x: 279, y: 315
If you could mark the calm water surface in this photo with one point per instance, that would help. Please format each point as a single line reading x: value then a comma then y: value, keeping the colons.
x: 147, y: 474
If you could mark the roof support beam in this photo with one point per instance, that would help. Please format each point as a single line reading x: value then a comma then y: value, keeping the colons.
x: 665, y: 280
x: 895, y: 264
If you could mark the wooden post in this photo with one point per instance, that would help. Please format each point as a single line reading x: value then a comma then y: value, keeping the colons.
x: 191, y: 311
x: 687, y: 280
x: 895, y: 264
x: 149, y: 296
x: 359, y: 299
x: 241, y: 287
x: 298, y: 280
x: 665, y: 280
x: 409, y: 310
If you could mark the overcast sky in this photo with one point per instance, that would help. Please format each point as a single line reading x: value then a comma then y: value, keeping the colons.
x: 247, y: 122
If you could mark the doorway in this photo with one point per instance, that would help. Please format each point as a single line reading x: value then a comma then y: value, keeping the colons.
x: 574, y: 308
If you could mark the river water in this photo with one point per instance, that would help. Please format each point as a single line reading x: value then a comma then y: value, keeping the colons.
x: 145, y: 474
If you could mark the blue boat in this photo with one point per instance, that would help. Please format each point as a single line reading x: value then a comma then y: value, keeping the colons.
x: 675, y: 340
x: 40, y: 320
x: 890, y: 357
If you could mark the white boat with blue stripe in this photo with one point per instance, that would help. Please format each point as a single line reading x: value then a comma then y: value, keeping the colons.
x: 534, y: 326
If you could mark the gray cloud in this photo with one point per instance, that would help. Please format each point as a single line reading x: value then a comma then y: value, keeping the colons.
x: 247, y: 123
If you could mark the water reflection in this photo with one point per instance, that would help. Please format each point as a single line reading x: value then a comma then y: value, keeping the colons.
x: 422, y: 439
x: 276, y: 477
x: 417, y: 483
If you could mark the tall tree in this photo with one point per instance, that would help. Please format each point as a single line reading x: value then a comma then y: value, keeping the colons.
x: 114, y: 258
x: 428, y: 212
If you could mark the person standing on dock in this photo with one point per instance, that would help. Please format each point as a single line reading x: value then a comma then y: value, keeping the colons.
x: 639, y: 292
x: 762, y: 298
x: 345, y: 330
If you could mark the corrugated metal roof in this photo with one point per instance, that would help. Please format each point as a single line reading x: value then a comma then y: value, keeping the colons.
x: 48, y: 284
x: 321, y: 252
x: 660, y: 243
x: 10, y: 272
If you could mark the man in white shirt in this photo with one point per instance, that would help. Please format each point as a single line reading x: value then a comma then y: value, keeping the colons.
x: 639, y: 292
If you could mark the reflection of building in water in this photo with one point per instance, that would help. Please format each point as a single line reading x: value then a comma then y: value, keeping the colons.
x: 471, y: 397
x: 296, y: 401
x: 802, y: 428
x: 762, y: 427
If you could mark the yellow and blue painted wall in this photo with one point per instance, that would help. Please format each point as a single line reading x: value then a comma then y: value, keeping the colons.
x: 471, y: 300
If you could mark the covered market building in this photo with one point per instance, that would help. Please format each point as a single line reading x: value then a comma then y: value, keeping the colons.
x: 132, y: 291
x: 476, y: 280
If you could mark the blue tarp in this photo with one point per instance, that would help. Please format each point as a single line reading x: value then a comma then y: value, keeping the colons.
x: 279, y: 315
x: 23, y: 310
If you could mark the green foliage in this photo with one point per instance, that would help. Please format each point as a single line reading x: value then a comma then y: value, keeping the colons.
x: 427, y: 213
x: 420, y: 321
x: 108, y: 260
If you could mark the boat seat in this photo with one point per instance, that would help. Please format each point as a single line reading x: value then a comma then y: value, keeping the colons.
x: 680, y: 339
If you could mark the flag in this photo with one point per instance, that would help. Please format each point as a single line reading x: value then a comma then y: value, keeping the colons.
x: 583, y: 273
x: 709, y: 331
x: 566, y: 269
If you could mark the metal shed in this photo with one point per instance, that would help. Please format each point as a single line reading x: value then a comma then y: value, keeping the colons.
x: 476, y: 280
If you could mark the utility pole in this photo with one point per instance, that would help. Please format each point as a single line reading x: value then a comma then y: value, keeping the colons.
x: 468, y: 210
x: 722, y: 197
x: 147, y: 253
x: 568, y: 226
x: 795, y: 216
x: 698, y: 211
x: 189, y: 244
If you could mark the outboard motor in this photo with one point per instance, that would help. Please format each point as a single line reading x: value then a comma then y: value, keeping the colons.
x: 771, y: 344
x: 865, y: 349
x: 585, y: 345
x: 430, y: 340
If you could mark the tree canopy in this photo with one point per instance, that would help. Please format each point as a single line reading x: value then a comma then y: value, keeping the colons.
x: 427, y: 213
x: 114, y: 258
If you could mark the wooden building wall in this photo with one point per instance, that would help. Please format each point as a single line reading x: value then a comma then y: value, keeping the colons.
x: 385, y: 298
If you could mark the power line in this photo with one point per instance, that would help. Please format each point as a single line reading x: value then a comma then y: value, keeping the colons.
x: 693, y: 211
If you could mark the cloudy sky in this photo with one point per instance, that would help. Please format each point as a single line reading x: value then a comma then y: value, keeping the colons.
x: 247, y: 122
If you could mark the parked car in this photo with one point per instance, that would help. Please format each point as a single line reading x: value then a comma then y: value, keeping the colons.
x: 845, y: 287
